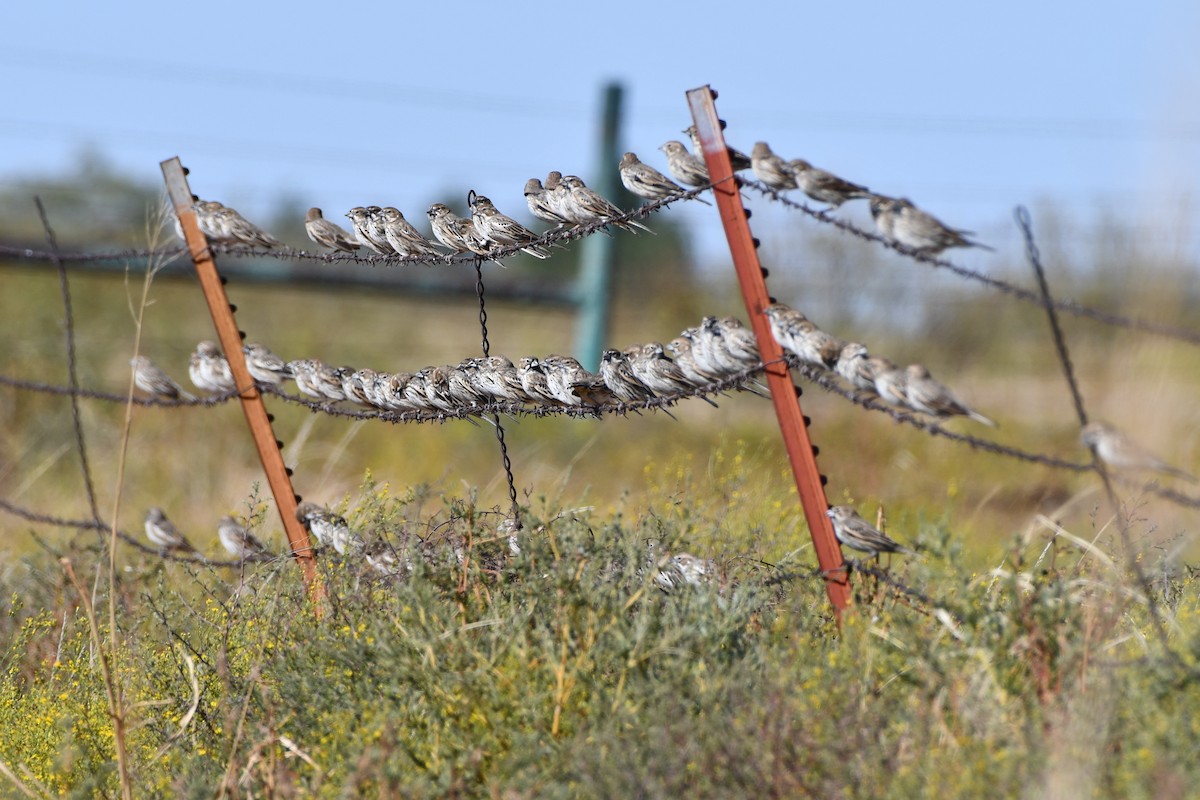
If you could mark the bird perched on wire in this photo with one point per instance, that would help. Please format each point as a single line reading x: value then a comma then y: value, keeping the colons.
x: 901, y: 222
x: 242, y: 230
x: 538, y: 200
x: 457, y: 233
x: 239, y: 542
x: 148, y: 377
x: 923, y: 393
x: 737, y: 159
x: 686, y: 167
x: 211, y: 224
x: 647, y: 182
x: 801, y: 337
x: 588, y: 206
x: 822, y: 186
x: 329, y: 234
x: 890, y: 381
x: 209, y: 370
x: 329, y: 529
x: 856, y: 533
x: 163, y: 533
x: 403, y: 237
x: 656, y: 370
x: 265, y: 367
x: 770, y: 168
x: 619, y: 378
x: 364, y: 232
x: 558, y: 196
x: 1117, y: 450
x: 503, y: 230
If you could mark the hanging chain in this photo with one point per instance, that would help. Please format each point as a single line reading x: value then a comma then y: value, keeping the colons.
x: 487, y: 347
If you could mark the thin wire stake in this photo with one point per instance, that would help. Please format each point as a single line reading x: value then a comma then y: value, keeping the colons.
x: 487, y: 349
x: 72, y: 371
x: 1024, y: 222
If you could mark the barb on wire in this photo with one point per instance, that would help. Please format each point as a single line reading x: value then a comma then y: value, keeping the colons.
x: 72, y: 366
x: 83, y: 524
x: 1069, y: 306
x: 112, y: 397
x: 1064, y: 357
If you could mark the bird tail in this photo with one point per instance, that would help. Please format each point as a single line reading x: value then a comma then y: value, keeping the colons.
x: 975, y: 415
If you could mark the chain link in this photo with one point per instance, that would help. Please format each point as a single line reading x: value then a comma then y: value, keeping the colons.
x: 487, y: 348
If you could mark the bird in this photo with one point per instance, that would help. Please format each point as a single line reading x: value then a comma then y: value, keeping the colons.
x: 535, y: 383
x: 683, y: 354
x: 619, y: 377
x: 265, y: 367
x: 822, y: 186
x: 329, y: 529
x: 656, y: 370
x: 239, y: 542
x: 242, y: 230
x: 536, y: 197
x: 647, y: 182
x: 364, y: 230
x: 209, y: 222
x: 457, y: 233
x: 163, y: 533
x: 737, y: 159
x: 686, y: 167
x: 770, y: 168
x: 148, y: 377
x: 889, y: 380
x: 854, y: 364
x: 497, y: 376
x: 304, y: 372
x: 329, y: 234
x: 403, y: 237
x: 923, y: 393
x: 377, y: 231
x: 558, y: 196
x: 588, y: 206
x: 901, y: 222
x: 1117, y: 450
x: 683, y: 569
x: 856, y: 533
x: 209, y: 370
x: 503, y: 230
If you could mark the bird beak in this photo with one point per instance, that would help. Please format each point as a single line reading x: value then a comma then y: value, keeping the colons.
x: 829, y: 513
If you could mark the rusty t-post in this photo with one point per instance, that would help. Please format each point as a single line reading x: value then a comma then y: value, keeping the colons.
x: 231, y: 343
x: 784, y: 394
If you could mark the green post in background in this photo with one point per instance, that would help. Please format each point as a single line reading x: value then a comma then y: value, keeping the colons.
x: 593, y: 288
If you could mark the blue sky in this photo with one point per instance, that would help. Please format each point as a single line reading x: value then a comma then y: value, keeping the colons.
x: 968, y: 108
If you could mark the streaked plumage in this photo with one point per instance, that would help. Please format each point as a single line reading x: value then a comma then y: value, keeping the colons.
x: 856, y: 533
x: 328, y: 234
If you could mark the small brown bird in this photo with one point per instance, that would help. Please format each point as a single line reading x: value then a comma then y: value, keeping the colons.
x: 737, y: 158
x: 903, y: 223
x: 924, y: 394
x: 163, y: 533
x: 686, y: 167
x: 1117, y: 450
x: 239, y: 542
x: 856, y: 533
x: 770, y: 168
x: 328, y: 234
x: 148, y: 377
x: 647, y: 182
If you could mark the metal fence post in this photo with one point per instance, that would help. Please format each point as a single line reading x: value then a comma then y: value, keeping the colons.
x: 252, y: 404
x: 784, y: 394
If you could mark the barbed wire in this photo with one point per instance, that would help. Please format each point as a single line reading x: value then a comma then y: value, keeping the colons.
x: 113, y: 397
x: 548, y: 239
x: 1070, y: 306
x: 96, y: 525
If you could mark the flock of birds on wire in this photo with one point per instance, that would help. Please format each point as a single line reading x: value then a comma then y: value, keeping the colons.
x: 565, y: 201
x: 693, y: 363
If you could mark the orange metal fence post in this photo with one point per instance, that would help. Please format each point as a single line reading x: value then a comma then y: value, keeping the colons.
x: 231, y: 343
x: 784, y: 393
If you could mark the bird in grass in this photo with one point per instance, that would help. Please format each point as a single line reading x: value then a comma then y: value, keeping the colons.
x: 737, y: 159
x: 856, y: 533
x: 822, y: 186
x: 239, y: 542
x: 209, y: 370
x: 503, y: 230
x: 148, y: 377
x: 901, y: 222
x: 686, y: 167
x: 1117, y: 450
x: 770, y: 168
x: 329, y: 529
x: 684, y: 569
x: 647, y: 182
x: 923, y: 393
x: 329, y: 234
x: 265, y: 367
x: 163, y: 533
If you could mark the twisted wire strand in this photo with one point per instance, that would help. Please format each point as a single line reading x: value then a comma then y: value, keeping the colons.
x: 550, y: 237
x: 1067, y: 305
x: 83, y: 524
